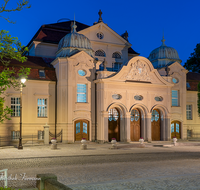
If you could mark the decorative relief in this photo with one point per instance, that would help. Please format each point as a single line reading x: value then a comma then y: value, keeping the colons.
x: 138, y: 72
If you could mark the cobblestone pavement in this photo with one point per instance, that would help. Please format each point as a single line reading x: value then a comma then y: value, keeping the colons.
x: 163, y: 170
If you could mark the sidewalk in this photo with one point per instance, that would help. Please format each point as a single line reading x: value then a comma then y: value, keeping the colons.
x: 95, y: 149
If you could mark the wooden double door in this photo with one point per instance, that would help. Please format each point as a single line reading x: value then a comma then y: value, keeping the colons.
x: 176, y: 129
x: 135, y: 128
x: 81, y: 130
x: 155, y: 125
x: 114, y: 124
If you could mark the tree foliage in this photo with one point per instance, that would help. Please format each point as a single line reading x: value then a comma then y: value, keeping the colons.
x: 193, y: 63
x: 20, y: 5
x: 10, y: 49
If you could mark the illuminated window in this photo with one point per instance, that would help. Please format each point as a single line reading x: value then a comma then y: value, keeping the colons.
x: 100, y: 53
x: 189, y: 112
x: 175, y: 80
x: 42, y: 107
x: 15, y: 106
x: 174, y: 97
x: 113, y: 114
x: 81, y: 72
x: 155, y: 116
x: 81, y: 93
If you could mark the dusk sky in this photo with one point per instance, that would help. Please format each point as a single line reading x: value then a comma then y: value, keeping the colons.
x: 144, y: 20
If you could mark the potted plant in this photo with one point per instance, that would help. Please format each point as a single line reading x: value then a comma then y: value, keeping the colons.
x: 83, y: 141
x: 113, y: 142
x: 174, y: 140
x: 53, y: 140
x: 141, y: 140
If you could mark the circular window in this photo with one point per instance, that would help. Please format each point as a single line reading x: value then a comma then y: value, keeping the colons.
x: 158, y: 98
x: 116, y: 96
x: 100, y: 35
x: 174, y: 80
x: 81, y: 72
x: 138, y: 97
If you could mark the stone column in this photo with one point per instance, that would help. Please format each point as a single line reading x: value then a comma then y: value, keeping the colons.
x: 167, y: 129
x: 104, y: 130
x: 46, y: 134
x: 181, y: 127
x: 127, y: 128
x: 148, y: 127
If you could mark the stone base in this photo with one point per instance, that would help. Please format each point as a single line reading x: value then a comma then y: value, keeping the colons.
x: 141, y: 146
x: 53, y: 146
x: 114, y: 146
x: 83, y: 147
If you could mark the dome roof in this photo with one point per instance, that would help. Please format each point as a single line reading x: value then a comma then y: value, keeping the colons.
x: 163, y: 55
x: 72, y: 43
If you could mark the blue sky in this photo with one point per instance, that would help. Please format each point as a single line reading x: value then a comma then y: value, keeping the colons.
x: 144, y: 20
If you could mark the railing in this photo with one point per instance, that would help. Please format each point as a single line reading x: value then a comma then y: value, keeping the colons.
x: 4, y: 177
x: 11, y: 141
x: 58, y: 136
x: 193, y: 136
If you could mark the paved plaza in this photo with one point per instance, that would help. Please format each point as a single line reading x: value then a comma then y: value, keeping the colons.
x: 99, y: 167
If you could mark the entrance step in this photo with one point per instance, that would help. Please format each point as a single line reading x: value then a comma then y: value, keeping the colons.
x: 163, y: 145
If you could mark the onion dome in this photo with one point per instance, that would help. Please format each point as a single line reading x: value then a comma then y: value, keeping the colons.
x: 164, y: 55
x: 73, y: 43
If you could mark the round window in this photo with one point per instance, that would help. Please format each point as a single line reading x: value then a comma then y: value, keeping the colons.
x: 158, y: 98
x: 138, y: 97
x: 174, y: 80
x: 81, y: 72
x: 100, y: 35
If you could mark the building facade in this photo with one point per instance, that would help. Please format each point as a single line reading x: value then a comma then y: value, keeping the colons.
x: 88, y: 82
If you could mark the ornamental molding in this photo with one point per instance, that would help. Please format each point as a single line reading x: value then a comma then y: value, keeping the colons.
x: 138, y: 72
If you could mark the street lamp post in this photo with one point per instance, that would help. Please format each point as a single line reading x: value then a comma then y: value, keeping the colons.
x: 20, y: 147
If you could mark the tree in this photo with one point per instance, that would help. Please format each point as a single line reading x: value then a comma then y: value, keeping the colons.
x: 19, y: 7
x: 193, y: 63
x: 10, y: 48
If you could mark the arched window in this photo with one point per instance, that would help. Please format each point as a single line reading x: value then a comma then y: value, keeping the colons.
x: 113, y: 114
x: 100, y: 53
x: 116, y: 55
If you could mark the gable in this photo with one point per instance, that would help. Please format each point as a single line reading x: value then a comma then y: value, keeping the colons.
x: 139, y: 70
x: 109, y: 36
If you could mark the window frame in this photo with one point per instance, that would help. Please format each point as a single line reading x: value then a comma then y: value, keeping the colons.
x: 15, y: 105
x: 16, y: 136
x: 79, y: 94
x: 189, y: 112
x: 42, y: 70
x: 175, y: 98
x: 102, y: 51
x: 40, y: 135
x: 120, y: 65
x: 45, y: 107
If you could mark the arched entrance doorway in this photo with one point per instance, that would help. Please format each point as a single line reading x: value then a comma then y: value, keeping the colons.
x: 135, y: 128
x: 81, y: 129
x: 113, y: 124
x: 155, y: 125
x: 176, y: 129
